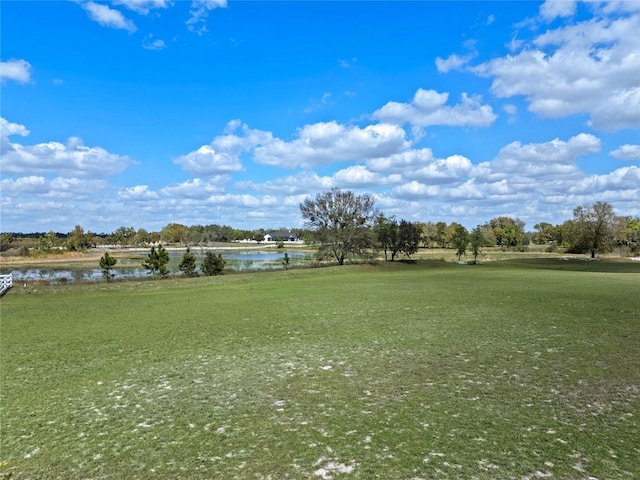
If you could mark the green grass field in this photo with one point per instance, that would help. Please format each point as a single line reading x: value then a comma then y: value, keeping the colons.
x: 514, y: 369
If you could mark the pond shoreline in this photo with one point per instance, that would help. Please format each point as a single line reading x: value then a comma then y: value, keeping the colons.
x: 94, y: 254
x: 79, y: 267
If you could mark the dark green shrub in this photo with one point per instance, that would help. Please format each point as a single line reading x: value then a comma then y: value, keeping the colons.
x: 212, y: 264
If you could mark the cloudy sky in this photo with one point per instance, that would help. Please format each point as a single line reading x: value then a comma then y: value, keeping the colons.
x: 145, y: 112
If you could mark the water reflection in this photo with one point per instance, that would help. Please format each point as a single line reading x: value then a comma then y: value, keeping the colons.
x: 131, y: 267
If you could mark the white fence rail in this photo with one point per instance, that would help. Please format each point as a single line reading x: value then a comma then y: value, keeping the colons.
x: 6, y: 282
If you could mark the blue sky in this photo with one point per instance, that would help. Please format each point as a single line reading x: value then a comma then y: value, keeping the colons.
x: 146, y: 112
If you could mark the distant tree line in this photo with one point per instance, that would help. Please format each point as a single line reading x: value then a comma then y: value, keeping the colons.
x: 349, y: 226
x: 345, y: 226
x: 125, y: 237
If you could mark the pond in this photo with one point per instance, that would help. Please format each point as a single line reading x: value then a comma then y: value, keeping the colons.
x: 131, y: 266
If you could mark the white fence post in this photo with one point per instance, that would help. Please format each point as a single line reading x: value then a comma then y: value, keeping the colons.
x: 6, y: 282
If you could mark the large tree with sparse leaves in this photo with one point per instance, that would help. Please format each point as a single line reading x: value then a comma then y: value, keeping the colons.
x: 342, y: 223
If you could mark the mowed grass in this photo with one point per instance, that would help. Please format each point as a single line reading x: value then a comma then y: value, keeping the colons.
x: 406, y: 371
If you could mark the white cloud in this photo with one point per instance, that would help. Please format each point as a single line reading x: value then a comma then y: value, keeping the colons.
x: 626, y: 178
x: 143, y: 7
x: 72, y: 158
x: 526, y: 166
x: 7, y: 129
x: 533, y: 181
x: 422, y: 166
x: 17, y: 70
x: 196, y: 188
x: 348, y: 63
x: 318, y: 104
x: 74, y: 188
x: 428, y: 108
x: 357, y: 176
x: 514, y: 44
x: 301, y: 183
x: 587, y: 68
x: 137, y: 193
x: 622, y: 110
x: 510, y: 109
x: 453, y: 62
x: 200, y: 11
x: 328, y: 142
x: 30, y: 184
x: 466, y: 190
x: 552, y: 9
x: 207, y: 161
x: 409, y: 160
x: 556, y: 151
x: 517, y: 181
x: 41, y: 207
x: 414, y: 189
x: 354, y: 177
x: 238, y: 137
x: 108, y: 17
x: 618, y: 6
x: 228, y: 200
x: 58, y: 188
x: 445, y: 170
x: 223, y: 154
x: 626, y: 152
x: 150, y: 43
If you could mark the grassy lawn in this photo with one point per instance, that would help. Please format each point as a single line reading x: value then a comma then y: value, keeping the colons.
x: 514, y: 369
